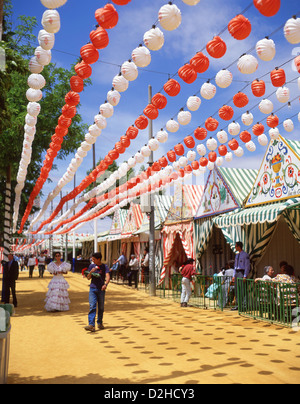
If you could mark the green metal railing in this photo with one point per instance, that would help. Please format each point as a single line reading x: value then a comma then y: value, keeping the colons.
x: 273, y: 302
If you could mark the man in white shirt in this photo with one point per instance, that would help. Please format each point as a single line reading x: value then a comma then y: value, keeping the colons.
x: 134, y: 270
x: 41, y: 265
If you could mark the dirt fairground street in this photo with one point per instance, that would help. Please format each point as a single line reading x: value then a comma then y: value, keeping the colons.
x: 146, y: 341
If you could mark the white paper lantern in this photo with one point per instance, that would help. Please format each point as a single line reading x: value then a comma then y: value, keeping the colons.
x: 100, y: 121
x: 153, y: 144
x: 162, y: 136
x: 82, y: 153
x: 274, y: 133
x: 219, y: 161
x: 141, y: 56
x: 86, y: 146
x: 191, y: 155
x: 145, y: 151
x: 263, y: 140
x: 210, y: 165
x: 266, y: 49
x: 201, y: 149
x: 34, y: 95
x: 239, y: 152
x: 193, y: 103
x: 222, y: 136
x: 183, y: 161
x: 208, y: 91
x: 30, y: 120
x: 131, y: 162
x: 211, y: 144
x: 234, y: 128
x: 169, y: 17
x: 113, y: 97
x: 94, y: 131
x: 53, y: 3
x: 51, y: 21
x: 130, y: 71
x: 34, y: 66
x: 288, y: 125
x: 154, y: 39
x: 43, y: 56
x: 292, y: 30
x: 224, y: 78
x: 36, y: 81
x: 266, y: 106
x: 30, y: 130
x: 299, y: 116
x: 184, y: 117
x: 139, y: 158
x: 33, y: 109
x: 46, y: 39
x: 172, y: 126
x: 283, y: 94
x: 120, y: 83
x: 247, y: 118
x: 107, y: 110
x: 176, y: 165
x: 250, y: 146
x: 229, y: 157
x: 247, y: 64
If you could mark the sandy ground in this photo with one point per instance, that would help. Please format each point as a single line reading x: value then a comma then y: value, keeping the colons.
x: 147, y: 340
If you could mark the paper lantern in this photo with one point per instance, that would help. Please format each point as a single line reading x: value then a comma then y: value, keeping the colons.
x: 43, y: 56
x: 193, y: 103
x: 106, y: 110
x: 34, y: 95
x: 247, y: 64
x: 274, y: 133
x: 288, y: 125
x: 272, y: 121
x: 120, y: 83
x: 163, y: 162
x: 201, y: 149
x: 89, y: 54
x: 266, y: 106
x: 169, y: 17
x: 30, y: 120
x: 219, y: 161
x: 151, y: 112
x: 240, y: 99
x: 107, y: 17
x: 94, y: 131
x: 224, y: 78
x: 292, y: 30
x: 297, y: 63
x: 263, y: 140
x: 233, y: 144
x: 211, y: 144
x: 154, y: 39
x: 212, y: 156
x: 34, y: 66
x: 83, y: 70
x: 145, y: 151
x: 46, y: 39
x: 125, y: 141
x: 191, y: 2
x: 247, y: 118
x: 153, y: 144
x: 53, y: 3
x: 184, y: 117
x: 245, y: 136
x: 183, y: 161
x: 203, y: 161
x: 100, y: 121
x: 171, y: 155
x: 239, y: 152
x: 141, y: 122
x: 162, y: 136
x: 268, y: 8
x: 239, y: 27
x: 113, y: 97
x: 51, y: 21
x: 191, y: 155
x: 120, y: 148
x: 76, y: 84
x: 141, y: 56
x: 216, y: 48
x: 187, y: 74
x: 250, y: 146
x: 30, y: 130
x: 33, y: 109
x: 258, y: 129
x: 189, y: 142
x: 266, y: 49
x: 211, y: 124
x: 129, y: 71
x: 234, y: 128
x: 121, y: 2
x: 222, y: 136
x: 159, y: 101
x: 278, y: 77
x: 132, y: 132
x: 172, y: 88
x: 226, y: 112
x: 179, y: 149
x: 64, y: 121
x: 200, y: 62
x: 200, y: 133
x: 208, y: 91
x: 99, y: 38
x: 222, y: 150
x: 195, y: 165
x: 36, y: 81
x: 283, y: 94
x: 61, y: 131
x: 172, y: 126
x: 258, y: 88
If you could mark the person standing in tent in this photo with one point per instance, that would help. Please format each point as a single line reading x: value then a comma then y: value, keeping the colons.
x: 242, y: 268
x: 187, y: 271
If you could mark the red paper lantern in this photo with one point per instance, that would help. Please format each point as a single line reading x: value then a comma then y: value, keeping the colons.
x: 108, y: 160
x: 159, y: 101
x: 72, y: 98
x: 222, y: 150
x: 113, y: 154
x: 211, y: 124
x: 61, y: 131
x: 132, y: 132
x: 83, y: 70
x: 189, y: 142
x: 125, y: 141
x: 68, y: 111
x: 258, y: 129
x: 187, y: 73
x: 99, y: 38
x: 64, y: 122
x: 297, y: 63
x: 188, y: 169
x: 268, y: 8
x: 200, y: 133
x: 240, y: 99
x: 151, y: 112
x: 216, y: 48
x: 156, y: 167
x: 172, y: 88
x: 120, y: 148
x: 163, y: 161
x: 121, y: 2
x: 239, y: 27
x: 195, y: 165
x: 272, y: 121
x: 89, y: 54
x: 278, y: 77
x: 141, y: 122
x: 171, y: 155
x: 245, y: 136
x: 179, y: 149
x: 76, y: 84
x: 200, y: 62
x: 212, y: 156
x: 226, y: 113
x: 107, y: 17
x: 258, y: 88
x: 203, y: 162
x: 233, y: 144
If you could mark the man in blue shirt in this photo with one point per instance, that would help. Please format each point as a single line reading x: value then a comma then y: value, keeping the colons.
x: 99, y: 275
x: 242, y: 268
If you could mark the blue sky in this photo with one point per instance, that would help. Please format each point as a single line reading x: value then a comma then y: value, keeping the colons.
x: 199, y: 24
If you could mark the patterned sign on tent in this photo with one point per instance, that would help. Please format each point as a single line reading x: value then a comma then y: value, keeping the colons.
x: 133, y: 220
x: 118, y: 221
x: 279, y: 175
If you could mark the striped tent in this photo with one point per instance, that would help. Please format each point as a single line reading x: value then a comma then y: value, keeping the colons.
x: 133, y: 220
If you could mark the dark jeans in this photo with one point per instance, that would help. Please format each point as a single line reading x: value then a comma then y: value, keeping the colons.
x: 31, y: 268
x: 41, y: 270
x: 96, y: 297
x: 7, y: 287
x: 133, y: 276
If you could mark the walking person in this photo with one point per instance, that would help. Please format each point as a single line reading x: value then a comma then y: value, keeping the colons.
x: 41, y: 265
x: 99, y: 275
x: 10, y: 275
x: 31, y: 265
x: 242, y: 268
x: 187, y: 271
